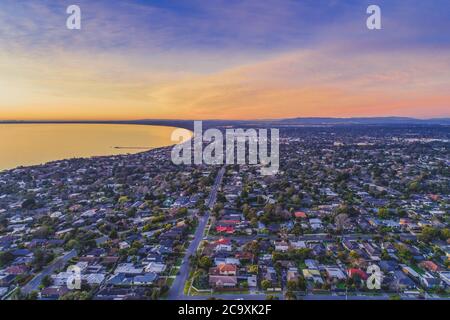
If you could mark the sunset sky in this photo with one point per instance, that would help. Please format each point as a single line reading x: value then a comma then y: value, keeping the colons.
x: 223, y: 59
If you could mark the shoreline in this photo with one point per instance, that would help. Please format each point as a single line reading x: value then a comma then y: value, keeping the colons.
x: 125, y: 150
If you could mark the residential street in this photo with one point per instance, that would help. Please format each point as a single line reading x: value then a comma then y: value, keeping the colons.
x: 176, y: 292
x: 34, y: 284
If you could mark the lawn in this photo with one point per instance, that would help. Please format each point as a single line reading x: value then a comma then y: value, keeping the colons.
x: 170, y: 281
x: 232, y: 292
x: 201, y: 282
x: 341, y: 286
x: 179, y: 261
x: 417, y: 269
x: 173, y: 271
x: 187, y: 285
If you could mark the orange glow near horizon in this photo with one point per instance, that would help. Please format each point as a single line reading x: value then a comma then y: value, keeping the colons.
x: 221, y: 60
x: 297, y: 84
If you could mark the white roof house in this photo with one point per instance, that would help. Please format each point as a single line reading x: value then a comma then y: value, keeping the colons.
x: 335, y: 273
x: 127, y: 268
x: 155, y: 267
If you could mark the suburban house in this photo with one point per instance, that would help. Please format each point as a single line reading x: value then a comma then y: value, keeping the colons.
x: 224, y: 270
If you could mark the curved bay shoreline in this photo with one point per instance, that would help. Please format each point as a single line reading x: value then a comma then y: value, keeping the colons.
x: 31, y: 144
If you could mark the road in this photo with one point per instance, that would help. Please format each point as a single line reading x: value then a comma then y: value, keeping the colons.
x: 331, y: 296
x: 213, y: 194
x: 362, y: 296
x: 263, y: 296
x: 34, y: 284
x: 232, y: 296
x: 343, y: 297
x: 176, y: 292
x: 313, y: 237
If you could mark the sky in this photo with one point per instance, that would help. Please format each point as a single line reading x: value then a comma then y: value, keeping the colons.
x: 223, y: 59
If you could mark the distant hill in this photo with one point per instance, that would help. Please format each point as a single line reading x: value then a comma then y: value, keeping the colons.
x: 311, y: 121
x: 366, y: 121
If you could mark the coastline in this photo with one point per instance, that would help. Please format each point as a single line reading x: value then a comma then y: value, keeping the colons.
x: 116, y: 150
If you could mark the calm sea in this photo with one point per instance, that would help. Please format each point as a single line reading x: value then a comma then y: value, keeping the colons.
x: 32, y: 144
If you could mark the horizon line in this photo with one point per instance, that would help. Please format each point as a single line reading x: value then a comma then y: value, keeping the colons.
x: 225, y: 119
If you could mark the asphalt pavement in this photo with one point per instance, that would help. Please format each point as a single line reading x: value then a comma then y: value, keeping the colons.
x: 176, y: 291
x: 58, y: 263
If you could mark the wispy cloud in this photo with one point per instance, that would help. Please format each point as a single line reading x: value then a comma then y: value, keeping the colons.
x: 316, y: 83
x: 223, y: 59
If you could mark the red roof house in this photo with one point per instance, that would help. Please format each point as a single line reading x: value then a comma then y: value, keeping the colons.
x: 226, y: 229
x: 430, y: 265
x: 224, y: 270
x: 357, y: 272
x: 300, y: 215
x: 223, y: 241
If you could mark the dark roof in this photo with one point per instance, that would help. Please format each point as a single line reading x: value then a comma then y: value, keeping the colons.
x: 388, y: 265
x: 21, y: 252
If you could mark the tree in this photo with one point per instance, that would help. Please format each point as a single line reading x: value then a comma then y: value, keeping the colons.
x: 429, y: 234
x: 385, y: 255
x: 404, y: 253
x: 113, y: 234
x: 182, y: 212
x: 445, y: 234
x: 296, y: 199
x: 29, y: 204
x: 290, y: 295
x: 252, y: 247
x: 292, y: 285
x: 341, y: 255
x: 17, y: 295
x: 301, y: 284
x: 43, y: 232
x: 33, y: 295
x: 123, y: 199
x: 341, y: 221
x: 383, y: 213
x: 47, y: 281
x: 414, y: 186
x: 253, y: 269
x: 6, y: 258
x: 265, y: 284
x: 354, y: 255
x: 131, y: 213
x: 71, y: 244
x: 163, y: 289
x: 205, y: 262
x: 155, y: 294
x: 76, y: 295
x: 297, y: 229
x: 137, y: 245
x: 218, y: 207
x: 41, y: 258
